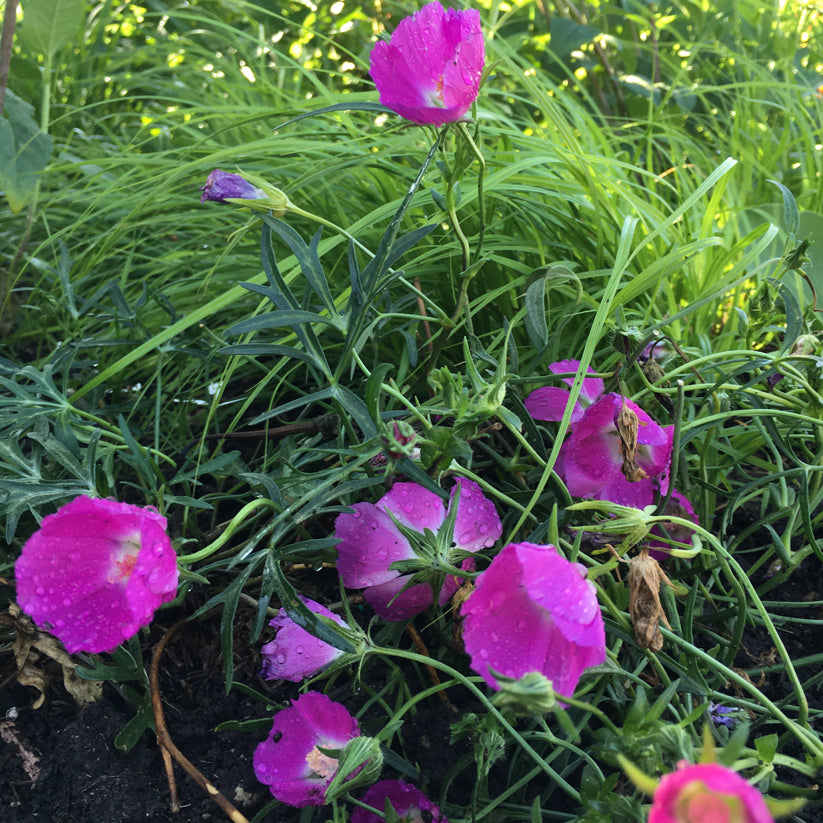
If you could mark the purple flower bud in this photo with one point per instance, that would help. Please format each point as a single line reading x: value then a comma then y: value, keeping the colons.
x: 429, y: 71
x: 533, y: 611
x: 221, y: 185
x: 95, y: 572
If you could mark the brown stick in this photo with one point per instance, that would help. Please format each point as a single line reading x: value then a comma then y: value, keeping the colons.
x: 169, y: 750
x: 421, y: 649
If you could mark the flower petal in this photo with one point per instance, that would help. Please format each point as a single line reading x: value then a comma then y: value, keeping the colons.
x: 369, y: 544
x: 414, y: 506
x: 477, y: 525
x: 407, y: 801
x: 391, y: 603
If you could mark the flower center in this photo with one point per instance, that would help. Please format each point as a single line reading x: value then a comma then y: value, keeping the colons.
x: 124, y: 559
x: 697, y: 803
x: 435, y: 97
x: 321, y: 764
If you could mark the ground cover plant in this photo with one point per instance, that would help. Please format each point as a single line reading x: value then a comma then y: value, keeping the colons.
x: 467, y: 359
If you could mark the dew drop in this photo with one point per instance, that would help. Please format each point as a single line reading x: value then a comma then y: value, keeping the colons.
x: 40, y: 591
x: 280, y: 657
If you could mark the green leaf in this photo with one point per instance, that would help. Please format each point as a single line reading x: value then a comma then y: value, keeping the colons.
x: 791, y: 215
x: 48, y: 25
x: 24, y: 151
x: 766, y: 748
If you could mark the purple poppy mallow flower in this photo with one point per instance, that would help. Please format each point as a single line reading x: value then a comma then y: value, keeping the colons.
x: 549, y: 402
x: 707, y: 793
x: 95, y: 572
x: 370, y: 542
x: 429, y: 71
x: 409, y: 804
x: 678, y: 506
x: 591, y: 460
x: 289, y: 760
x: 249, y: 191
x: 533, y: 611
x: 295, y: 653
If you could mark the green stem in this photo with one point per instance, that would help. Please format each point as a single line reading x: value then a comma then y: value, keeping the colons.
x: 492, y: 709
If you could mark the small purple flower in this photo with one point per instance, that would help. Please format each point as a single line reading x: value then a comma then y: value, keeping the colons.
x: 95, y: 572
x: 408, y: 802
x: 429, y: 72
x: 533, y: 611
x: 295, y: 653
x: 591, y: 459
x: 727, y: 716
x: 370, y: 542
x: 289, y: 761
x: 549, y: 402
x: 223, y: 185
x: 678, y: 506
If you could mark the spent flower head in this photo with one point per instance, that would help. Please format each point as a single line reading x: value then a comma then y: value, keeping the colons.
x: 533, y: 611
x: 429, y: 71
x: 96, y: 571
x: 372, y: 538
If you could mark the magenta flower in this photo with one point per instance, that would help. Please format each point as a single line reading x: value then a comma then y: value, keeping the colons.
x: 370, y: 542
x: 707, y: 793
x: 408, y: 802
x: 222, y: 185
x: 289, y: 761
x: 590, y: 461
x: 95, y: 572
x: 295, y: 653
x: 429, y: 72
x: 549, y: 402
x: 678, y: 506
x: 533, y: 611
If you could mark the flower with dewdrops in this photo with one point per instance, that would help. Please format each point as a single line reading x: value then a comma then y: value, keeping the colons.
x: 533, y: 611
x: 429, y: 71
x: 290, y: 761
x: 295, y: 654
x: 95, y: 572
x: 374, y: 536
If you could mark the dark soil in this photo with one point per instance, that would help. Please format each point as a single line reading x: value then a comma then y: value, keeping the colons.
x: 83, y: 778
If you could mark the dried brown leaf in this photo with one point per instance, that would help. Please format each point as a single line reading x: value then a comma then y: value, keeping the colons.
x: 32, y: 648
x: 645, y: 609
